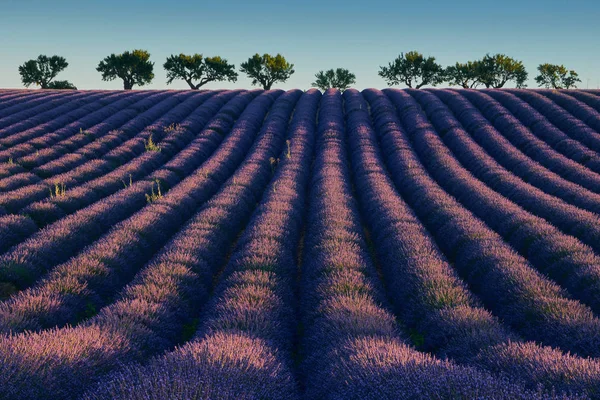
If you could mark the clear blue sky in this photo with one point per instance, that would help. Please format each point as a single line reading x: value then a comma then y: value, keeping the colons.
x: 312, y: 34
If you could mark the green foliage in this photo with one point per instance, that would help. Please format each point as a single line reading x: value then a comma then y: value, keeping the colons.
x: 266, y: 69
x: 340, y: 78
x: 42, y: 70
x: 151, y: 146
x: 273, y: 162
x: 197, y: 68
x: 59, y: 190
x: 86, y: 133
x: 130, y: 182
x: 173, y: 128
x: 556, y: 77
x: 465, y: 75
x: 153, y: 196
x: 61, y: 85
x: 133, y: 67
x: 497, y: 70
x: 413, y: 70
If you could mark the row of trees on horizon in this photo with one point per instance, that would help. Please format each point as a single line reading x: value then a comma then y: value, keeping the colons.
x: 411, y: 69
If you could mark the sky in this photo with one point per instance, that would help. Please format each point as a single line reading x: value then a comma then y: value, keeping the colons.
x: 312, y: 34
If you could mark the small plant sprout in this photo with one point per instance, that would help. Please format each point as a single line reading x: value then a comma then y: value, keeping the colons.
x: 153, y: 196
x: 58, y: 190
x: 85, y: 132
x: 11, y: 161
x: 172, y: 128
x: 289, y: 150
x: 273, y: 161
x: 150, y: 145
x: 130, y: 182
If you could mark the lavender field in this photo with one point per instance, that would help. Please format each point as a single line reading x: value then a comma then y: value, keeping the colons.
x: 235, y: 244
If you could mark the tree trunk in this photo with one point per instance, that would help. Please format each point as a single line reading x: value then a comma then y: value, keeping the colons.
x: 191, y: 84
x: 127, y: 85
x: 268, y: 86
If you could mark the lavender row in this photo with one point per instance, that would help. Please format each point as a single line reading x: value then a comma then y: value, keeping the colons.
x: 127, y: 250
x: 563, y: 258
x: 180, y: 145
x: 18, y: 129
x: 351, y: 346
x: 64, y: 124
x: 34, y: 105
x: 150, y: 166
x: 579, y: 110
x: 68, y: 146
x: 18, y: 180
x: 585, y: 97
x: 507, y: 284
x: 266, y: 246
x: 508, y: 156
x: 10, y: 99
x: 143, y: 112
x: 14, y: 229
x: 154, y: 121
x: 25, y: 263
x: 89, y: 279
x: 552, y: 107
x: 152, y: 313
x: 8, y: 169
x: 110, y: 141
x: 532, y: 146
x: 12, y: 102
x: 546, y: 131
x: 223, y: 363
x: 426, y: 292
x: 68, y: 124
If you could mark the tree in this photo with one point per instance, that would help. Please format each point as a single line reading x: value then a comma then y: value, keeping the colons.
x: 340, y: 79
x: 464, y: 75
x: 61, y: 85
x: 196, y: 67
x: 134, y: 67
x: 497, y: 70
x: 556, y: 77
x: 267, y: 69
x: 410, y: 67
x: 42, y: 70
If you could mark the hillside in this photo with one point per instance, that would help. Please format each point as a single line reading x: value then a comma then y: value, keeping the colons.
x: 393, y: 244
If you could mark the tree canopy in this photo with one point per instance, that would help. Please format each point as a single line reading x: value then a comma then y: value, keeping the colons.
x: 42, y: 70
x: 414, y: 70
x: 339, y: 78
x: 266, y: 69
x: 556, y: 77
x: 134, y: 67
x: 497, y: 70
x: 464, y: 74
x: 61, y: 85
x: 197, y: 70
